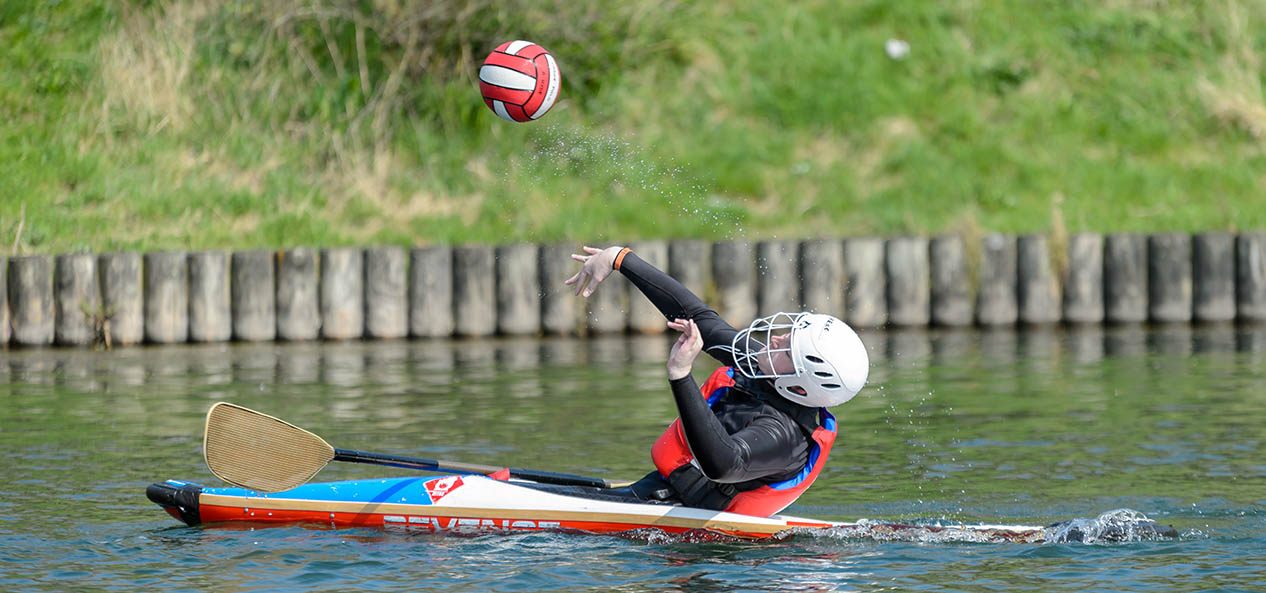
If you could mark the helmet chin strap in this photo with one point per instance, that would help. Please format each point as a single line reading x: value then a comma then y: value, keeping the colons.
x: 760, y: 387
x: 764, y: 385
x: 763, y: 390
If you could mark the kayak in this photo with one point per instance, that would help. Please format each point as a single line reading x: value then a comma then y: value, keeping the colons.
x: 476, y: 503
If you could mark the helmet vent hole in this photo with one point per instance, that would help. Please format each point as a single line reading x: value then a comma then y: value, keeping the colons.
x: 830, y: 385
x: 823, y: 374
x: 815, y: 359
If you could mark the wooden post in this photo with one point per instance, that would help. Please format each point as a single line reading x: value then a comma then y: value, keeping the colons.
x: 865, y: 296
x: 1083, y: 282
x: 1250, y: 277
x: 1037, y: 291
x: 166, y: 297
x: 1125, y: 278
x: 559, y: 314
x: 733, y: 273
x: 690, y: 262
x: 342, y: 293
x: 518, y: 289
x: 31, y: 298
x: 1169, y: 277
x: 210, y: 302
x: 909, y: 281
x: 777, y: 281
x: 78, y: 299
x: 386, y: 297
x: 121, y: 297
x: 996, y: 297
x: 644, y: 318
x: 298, y: 303
x: 951, y: 289
x: 431, y: 292
x: 474, y: 290
x: 253, y: 293
x: 1213, y: 268
x: 6, y: 327
x: 822, y: 276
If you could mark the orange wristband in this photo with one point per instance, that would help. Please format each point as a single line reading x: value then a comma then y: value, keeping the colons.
x: 619, y: 258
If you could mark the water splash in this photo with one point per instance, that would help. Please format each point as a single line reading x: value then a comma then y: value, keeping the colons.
x: 1117, y: 526
x: 623, y: 166
x: 1120, y: 525
x: 935, y: 533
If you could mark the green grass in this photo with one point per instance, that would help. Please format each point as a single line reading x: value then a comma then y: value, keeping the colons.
x: 153, y: 125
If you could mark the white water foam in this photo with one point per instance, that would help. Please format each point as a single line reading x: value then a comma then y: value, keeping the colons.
x: 1120, y: 525
x: 935, y: 533
x: 1116, y: 526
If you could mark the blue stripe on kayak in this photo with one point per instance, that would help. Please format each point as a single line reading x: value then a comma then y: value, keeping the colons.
x: 394, y: 490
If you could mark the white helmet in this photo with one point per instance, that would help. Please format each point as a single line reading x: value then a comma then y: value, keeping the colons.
x: 830, y: 361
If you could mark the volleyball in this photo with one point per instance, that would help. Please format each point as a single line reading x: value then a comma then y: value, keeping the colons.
x: 519, y: 81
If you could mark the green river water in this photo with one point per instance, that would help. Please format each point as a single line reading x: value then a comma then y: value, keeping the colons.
x: 1027, y: 427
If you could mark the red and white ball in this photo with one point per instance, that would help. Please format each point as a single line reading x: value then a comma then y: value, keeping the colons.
x: 519, y: 81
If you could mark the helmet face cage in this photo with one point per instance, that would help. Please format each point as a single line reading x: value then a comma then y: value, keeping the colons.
x: 752, y: 345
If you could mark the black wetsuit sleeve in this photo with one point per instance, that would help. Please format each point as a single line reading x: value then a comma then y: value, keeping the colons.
x: 676, y: 301
x: 760, y: 449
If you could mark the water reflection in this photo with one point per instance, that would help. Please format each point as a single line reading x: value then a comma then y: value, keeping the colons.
x: 1125, y: 340
x: 1170, y: 339
x: 475, y: 354
x: 31, y: 369
x: 299, y: 364
x: 398, y: 381
x: 1084, y: 343
x: 78, y: 371
x: 519, y: 354
x: 951, y: 343
x: 909, y: 347
x: 1215, y: 339
x: 953, y: 418
x: 343, y: 366
x: 561, y: 351
x: 129, y: 368
x: 386, y: 364
x: 1251, y: 340
x: 353, y: 366
x: 999, y: 346
x: 995, y: 426
x: 608, y: 351
x: 255, y: 363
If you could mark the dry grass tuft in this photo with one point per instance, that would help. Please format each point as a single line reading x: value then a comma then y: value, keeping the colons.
x: 145, y: 66
x: 1233, y: 94
x: 367, y: 180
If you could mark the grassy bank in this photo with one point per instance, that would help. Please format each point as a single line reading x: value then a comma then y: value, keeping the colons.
x: 251, y: 124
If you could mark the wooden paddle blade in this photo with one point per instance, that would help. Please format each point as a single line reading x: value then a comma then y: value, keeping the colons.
x: 256, y: 451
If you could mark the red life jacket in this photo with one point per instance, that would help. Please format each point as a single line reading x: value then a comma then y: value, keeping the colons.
x: 671, y: 453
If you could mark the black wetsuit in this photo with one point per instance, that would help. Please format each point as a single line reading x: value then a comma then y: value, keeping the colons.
x: 751, y: 437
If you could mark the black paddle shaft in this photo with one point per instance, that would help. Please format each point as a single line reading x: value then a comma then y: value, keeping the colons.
x: 436, y: 465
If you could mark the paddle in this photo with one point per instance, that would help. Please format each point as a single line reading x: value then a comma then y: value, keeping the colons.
x: 260, y: 452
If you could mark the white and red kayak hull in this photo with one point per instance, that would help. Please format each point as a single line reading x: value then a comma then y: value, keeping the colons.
x: 466, y: 504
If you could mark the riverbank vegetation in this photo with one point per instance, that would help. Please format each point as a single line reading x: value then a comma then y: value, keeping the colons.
x: 181, y: 124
